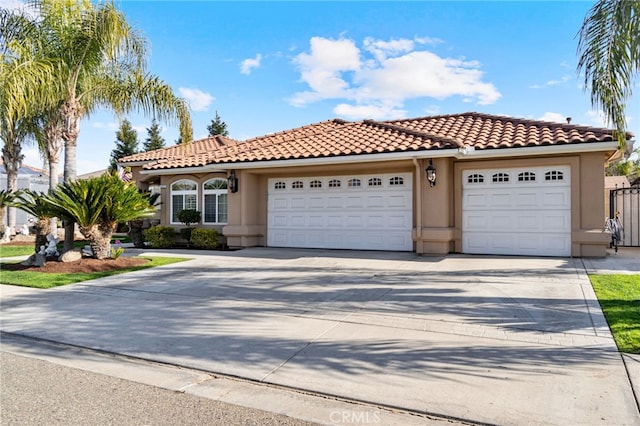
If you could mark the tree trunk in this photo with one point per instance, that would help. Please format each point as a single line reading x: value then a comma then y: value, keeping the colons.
x: 43, y: 228
x: 99, y: 237
x: 12, y: 158
x: 71, y: 113
x: 136, y: 233
x: 53, y: 145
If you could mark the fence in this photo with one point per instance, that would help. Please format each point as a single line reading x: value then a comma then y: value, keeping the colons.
x: 626, y: 201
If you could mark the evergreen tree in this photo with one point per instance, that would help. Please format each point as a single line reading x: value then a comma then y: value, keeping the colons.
x: 154, y: 140
x: 217, y: 127
x: 126, y: 143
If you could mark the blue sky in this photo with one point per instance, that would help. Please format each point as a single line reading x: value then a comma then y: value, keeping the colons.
x: 270, y: 66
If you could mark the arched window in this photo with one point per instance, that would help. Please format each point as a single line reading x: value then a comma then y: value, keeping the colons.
x: 280, y: 185
x: 184, y: 196
x: 315, y: 184
x: 335, y: 183
x: 475, y: 178
x: 526, y: 177
x: 297, y: 185
x: 501, y: 177
x: 396, y: 181
x: 215, y: 201
x: 554, y: 175
x: 354, y: 183
x: 375, y: 182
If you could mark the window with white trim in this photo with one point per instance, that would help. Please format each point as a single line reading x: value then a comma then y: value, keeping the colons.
x: 501, y: 177
x: 215, y: 201
x: 375, y: 182
x: 526, y: 177
x: 297, y: 185
x: 335, y: 183
x: 315, y: 184
x: 354, y: 183
x: 396, y: 181
x: 475, y: 178
x: 184, y: 196
x: 554, y: 175
x: 280, y: 185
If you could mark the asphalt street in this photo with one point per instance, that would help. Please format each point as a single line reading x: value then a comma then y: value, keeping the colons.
x: 36, y: 392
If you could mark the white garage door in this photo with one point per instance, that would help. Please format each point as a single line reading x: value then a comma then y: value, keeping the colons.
x: 523, y: 211
x: 364, y: 212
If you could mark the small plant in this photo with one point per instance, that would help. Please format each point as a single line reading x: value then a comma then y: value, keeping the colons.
x: 204, y: 238
x: 188, y: 216
x: 160, y: 236
x: 116, y: 252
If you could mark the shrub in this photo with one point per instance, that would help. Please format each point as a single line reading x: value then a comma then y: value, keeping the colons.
x: 189, y: 216
x: 160, y: 236
x: 204, y: 238
x: 116, y: 252
x: 185, y: 234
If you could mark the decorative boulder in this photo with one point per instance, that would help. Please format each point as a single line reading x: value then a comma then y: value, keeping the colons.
x: 70, y: 256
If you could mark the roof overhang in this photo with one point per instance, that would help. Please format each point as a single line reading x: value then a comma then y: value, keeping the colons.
x: 466, y: 153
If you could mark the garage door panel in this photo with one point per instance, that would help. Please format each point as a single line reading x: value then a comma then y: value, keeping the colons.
x: 529, y: 215
x: 340, y: 215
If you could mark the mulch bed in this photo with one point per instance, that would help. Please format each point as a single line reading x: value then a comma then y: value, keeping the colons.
x: 82, y: 265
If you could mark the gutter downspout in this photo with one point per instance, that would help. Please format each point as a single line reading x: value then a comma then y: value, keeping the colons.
x: 418, y: 207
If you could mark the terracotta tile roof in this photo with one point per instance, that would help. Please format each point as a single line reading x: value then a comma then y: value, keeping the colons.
x: 336, y: 137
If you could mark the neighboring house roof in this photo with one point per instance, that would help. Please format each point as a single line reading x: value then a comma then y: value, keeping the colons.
x: 611, y: 182
x: 337, y: 137
x: 25, y: 170
x: 90, y: 175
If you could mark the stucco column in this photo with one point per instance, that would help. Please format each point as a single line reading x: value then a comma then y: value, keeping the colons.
x: 247, y: 210
x: 436, y: 235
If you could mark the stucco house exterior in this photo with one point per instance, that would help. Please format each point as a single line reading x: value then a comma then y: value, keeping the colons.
x: 464, y: 183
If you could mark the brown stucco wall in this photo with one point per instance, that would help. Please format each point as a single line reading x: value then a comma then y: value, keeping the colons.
x: 437, y: 223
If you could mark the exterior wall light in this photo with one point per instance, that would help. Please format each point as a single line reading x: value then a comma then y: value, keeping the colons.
x: 232, y: 182
x: 431, y: 174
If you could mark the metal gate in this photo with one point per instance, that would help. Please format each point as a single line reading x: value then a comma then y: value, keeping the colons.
x: 626, y: 202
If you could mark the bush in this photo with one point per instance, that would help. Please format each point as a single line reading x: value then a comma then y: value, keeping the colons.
x: 204, y: 238
x: 189, y: 216
x: 185, y: 234
x: 160, y: 236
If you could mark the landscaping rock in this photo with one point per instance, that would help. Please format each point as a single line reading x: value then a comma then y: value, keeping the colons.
x: 70, y: 256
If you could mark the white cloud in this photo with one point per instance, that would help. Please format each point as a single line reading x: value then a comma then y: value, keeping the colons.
x: 550, y: 83
x: 108, y: 126
x: 556, y: 117
x: 249, y: 64
x: 198, y: 100
x: 375, y: 112
x: 32, y: 157
x: 382, y: 75
x: 596, y: 118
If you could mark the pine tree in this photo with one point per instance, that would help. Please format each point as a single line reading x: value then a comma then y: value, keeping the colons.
x: 218, y: 127
x: 154, y: 140
x: 126, y: 143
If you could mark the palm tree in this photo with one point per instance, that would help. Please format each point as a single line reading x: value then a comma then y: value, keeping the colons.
x: 609, y: 51
x: 100, y: 62
x: 7, y: 199
x: 36, y: 205
x: 98, y: 205
x: 21, y: 73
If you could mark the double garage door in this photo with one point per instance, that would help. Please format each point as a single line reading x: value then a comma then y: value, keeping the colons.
x: 509, y: 211
x: 361, y: 212
x: 523, y: 211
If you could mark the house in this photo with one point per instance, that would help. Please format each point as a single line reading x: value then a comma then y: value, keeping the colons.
x: 467, y: 183
x: 31, y: 178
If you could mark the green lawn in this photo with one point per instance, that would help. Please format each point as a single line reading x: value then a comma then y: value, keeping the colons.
x: 10, y: 251
x: 48, y: 280
x: 619, y: 296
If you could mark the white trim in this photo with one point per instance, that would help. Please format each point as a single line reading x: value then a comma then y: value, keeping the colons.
x: 459, y: 153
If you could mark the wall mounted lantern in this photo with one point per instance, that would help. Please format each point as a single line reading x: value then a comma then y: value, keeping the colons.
x: 431, y: 174
x: 232, y: 182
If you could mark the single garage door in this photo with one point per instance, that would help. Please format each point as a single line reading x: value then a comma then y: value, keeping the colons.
x: 361, y: 212
x: 519, y: 211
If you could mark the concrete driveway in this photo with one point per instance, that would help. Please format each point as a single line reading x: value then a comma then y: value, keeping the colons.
x: 504, y: 340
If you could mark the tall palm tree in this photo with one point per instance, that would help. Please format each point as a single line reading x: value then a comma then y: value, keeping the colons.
x: 21, y: 75
x: 100, y: 62
x: 609, y: 51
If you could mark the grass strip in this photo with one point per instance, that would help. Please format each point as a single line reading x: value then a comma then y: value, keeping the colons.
x: 619, y: 297
x: 36, y: 279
